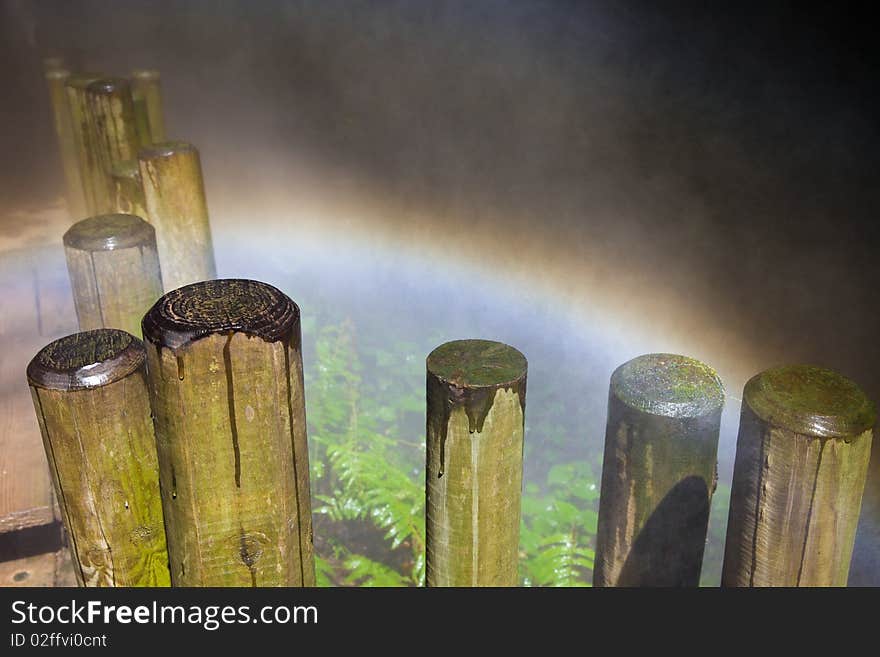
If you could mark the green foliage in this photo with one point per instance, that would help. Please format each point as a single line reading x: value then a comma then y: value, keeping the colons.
x: 557, y: 536
x: 368, y: 451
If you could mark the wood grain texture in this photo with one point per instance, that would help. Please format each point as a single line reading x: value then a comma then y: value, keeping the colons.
x: 658, y: 474
x: 49, y: 569
x: 111, y: 111
x: 225, y: 370
x: 113, y: 263
x: 475, y: 426
x: 90, y: 396
x: 127, y: 193
x: 146, y: 86
x: 801, y: 463
x: 92, y: 178
x: 174, y: 193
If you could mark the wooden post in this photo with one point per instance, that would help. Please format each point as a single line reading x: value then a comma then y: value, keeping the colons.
x: 801, y: 462
x: 225, y: 370
x: 56, y: 79
x: 114, y: 271
x: 659, y: 472
x: 113, y: 124
x: 147, y: 90
x: 476, y: 393
x: 90, y: 396
x: 127, y: 194
x: 174, y: 193
x: 91, y: 176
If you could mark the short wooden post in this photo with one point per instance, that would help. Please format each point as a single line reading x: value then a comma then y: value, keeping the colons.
x: 114, y: 127
x: 801, y: 462
x: 476, y: 394
x: 147, y: 90
x: 92, y: 178
x: 225, y: 369
x: 114, y: 271
x: 174, y: 193
x: 659, y: 470
x: 90, y: 396
x: 56, y: 79
x: 127, y: 192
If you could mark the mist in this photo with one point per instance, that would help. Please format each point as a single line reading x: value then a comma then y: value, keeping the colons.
x: 591, y: 180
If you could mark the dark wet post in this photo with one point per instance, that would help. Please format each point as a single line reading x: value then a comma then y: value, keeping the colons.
x: 115, y: 131
x: 114, y: 271
x: 56, y: 77
x: 127, y: 192
x: 90, y: 396
x: 147, y: 91
x: 92, y: 178
x: 476, y: 392
x: 171, y: 174
x: 801, y: 463
x: 658, y: 474
x: 225, y: 372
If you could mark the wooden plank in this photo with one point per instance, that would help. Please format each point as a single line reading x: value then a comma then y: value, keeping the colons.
x: 50, y: 569
x: 37, y: 307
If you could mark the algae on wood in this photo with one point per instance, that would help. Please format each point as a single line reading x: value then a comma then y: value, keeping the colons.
x: 225, y: 371
x: 171, y: 174
x: 801, y: 463
x: 92, y: 404
x: 476, y: 393
x: 147, y: 91
x: 114, y: 271
x: 658, y: 473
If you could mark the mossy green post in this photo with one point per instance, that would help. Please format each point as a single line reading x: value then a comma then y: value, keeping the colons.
x: 114, y: 127
x: 91, y: 176
x: 801, y: 463
x: 147, y: 91
x: 90, y: 396
x: 476, y: 394
x: 114, y: 271
x: 127, y: 191
x: 56, y: 77
x: 224, y: 361
x: 658, y: 473
x: 174, y: 193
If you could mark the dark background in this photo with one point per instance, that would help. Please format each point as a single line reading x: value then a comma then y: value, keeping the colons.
x: 706, y: 171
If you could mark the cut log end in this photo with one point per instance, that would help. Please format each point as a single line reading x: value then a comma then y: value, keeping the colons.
x: 90, y: 359
x: 668, y: 385
x: 811, y: 401
x: 468, y: 364
x: 218, y: 307
x: 108, y: 232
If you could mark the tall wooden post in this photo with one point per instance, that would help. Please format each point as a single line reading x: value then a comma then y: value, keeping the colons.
x: 225, y: 371
x: 92, y: 178
x: 56, y: 79
x: 801, y: 462
x: 114, y: 271
x: 147, y: 90
x: 90, y: 396
x: 476, y: 394
x: 659, y: 471
x: 174, y: 193
x: 127, y: 193
x: 113, y: 123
